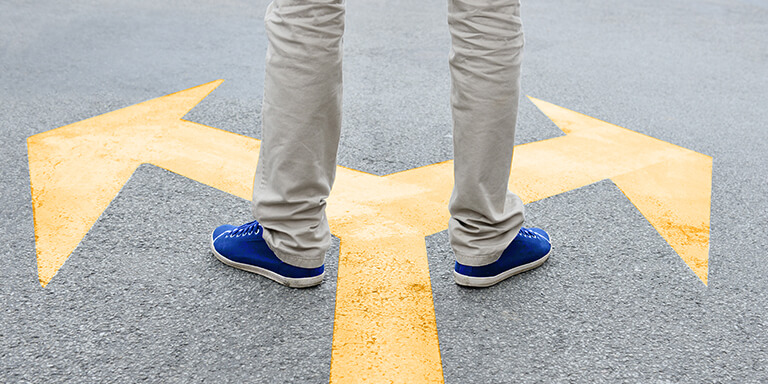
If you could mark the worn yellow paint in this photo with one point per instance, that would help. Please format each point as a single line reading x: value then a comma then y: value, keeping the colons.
x: 384, y: 326
x: 670, y: 185
x: 76, y: 170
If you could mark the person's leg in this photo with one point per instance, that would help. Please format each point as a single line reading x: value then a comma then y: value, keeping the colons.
x: 485, y: 59
x: 301, y: 122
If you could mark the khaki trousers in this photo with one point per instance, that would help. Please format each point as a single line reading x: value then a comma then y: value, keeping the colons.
x: 301, y: 118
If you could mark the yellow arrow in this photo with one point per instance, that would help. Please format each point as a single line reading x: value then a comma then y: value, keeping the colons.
x: 670, y: 185
x: 76, y: 170
x: 384, y: 326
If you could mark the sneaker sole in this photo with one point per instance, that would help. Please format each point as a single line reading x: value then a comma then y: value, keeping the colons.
x: 482, y: 282
x: 293, y: 282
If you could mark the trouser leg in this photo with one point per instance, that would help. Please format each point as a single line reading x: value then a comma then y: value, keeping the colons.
x: 484, y: 61
x: 301, y: 123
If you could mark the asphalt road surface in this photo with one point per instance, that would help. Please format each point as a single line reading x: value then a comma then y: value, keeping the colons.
x: 143, y: 299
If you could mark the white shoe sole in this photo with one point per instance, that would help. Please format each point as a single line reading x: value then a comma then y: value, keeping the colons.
x: 293, y: 282
x: 481, y: 282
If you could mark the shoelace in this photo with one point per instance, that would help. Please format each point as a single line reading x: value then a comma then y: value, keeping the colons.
x: 532, y: 235
x: 528, y: 233
x: 246, y: 229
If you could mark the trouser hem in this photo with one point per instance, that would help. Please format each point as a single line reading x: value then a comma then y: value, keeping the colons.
x: 296, y: 260
x: 478, y: 260
x: 300, y: 261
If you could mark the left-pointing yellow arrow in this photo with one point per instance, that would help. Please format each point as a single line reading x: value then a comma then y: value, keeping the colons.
x: 76, y: 170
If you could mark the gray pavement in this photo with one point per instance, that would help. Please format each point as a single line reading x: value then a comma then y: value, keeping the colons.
x: 142, y: 299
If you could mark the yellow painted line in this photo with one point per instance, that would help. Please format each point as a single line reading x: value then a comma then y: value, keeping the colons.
x: 384, y: 323
x: 384, y: 326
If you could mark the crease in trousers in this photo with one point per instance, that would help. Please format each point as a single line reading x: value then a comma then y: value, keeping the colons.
x: 301, y: 124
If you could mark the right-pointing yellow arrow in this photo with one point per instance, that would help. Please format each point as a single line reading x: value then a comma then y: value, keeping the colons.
x: 670, y: 185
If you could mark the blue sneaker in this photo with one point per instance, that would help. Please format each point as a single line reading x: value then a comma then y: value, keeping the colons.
x: 244, y: 248
x: 528, y: 250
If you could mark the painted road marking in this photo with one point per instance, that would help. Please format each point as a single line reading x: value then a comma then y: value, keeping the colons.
x: 384, y: 326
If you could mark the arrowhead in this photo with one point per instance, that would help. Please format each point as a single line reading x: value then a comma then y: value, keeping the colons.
x: 76, y: 170
x: 675, y: 198
x: 670, y: 185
